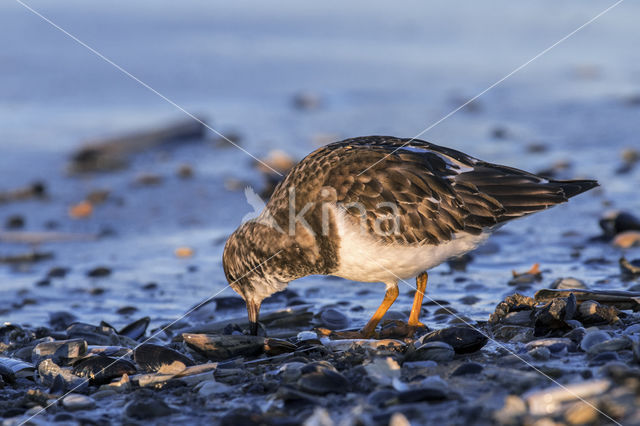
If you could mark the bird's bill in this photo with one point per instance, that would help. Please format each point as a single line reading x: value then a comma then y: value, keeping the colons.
x: 253, y: 309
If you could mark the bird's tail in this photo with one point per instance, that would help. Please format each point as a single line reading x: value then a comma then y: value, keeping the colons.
x: 571, y: 188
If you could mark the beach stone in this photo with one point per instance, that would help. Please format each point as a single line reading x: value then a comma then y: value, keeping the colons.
x: 304, y: 336
x: 592, y: 338
x: 555, y: 313
x: 99, y: 272
x: 380, y: 397
x: 60, y: 320
x: 75, y: 402
x: 513, y: 303
x: 603, y: 358
x: 432, y: 351
x: 462, y: 339
x: 540, y: 353
x: 320, y: 378
x: 554, y: 344
x: 210, y: 388
x: 614, y: 345
x: 576, y: 335
x: 383, y: 371
x: 147, y: 408
x: 467, y: 368
x: 290, y: 372
x: 420, y: 394
x: 334, y: 319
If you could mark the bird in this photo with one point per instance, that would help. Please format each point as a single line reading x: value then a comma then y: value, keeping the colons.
x: 379, y: 209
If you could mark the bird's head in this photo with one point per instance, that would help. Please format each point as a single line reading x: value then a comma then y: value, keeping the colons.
x: 252, y: 265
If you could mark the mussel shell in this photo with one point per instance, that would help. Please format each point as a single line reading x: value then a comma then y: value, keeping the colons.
x: 136, y: 329
x: 152, y: 358
x: 102, y: 369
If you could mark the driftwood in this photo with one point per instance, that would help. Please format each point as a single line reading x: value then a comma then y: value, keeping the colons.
x: 112, y: 153
x: 620, y: 299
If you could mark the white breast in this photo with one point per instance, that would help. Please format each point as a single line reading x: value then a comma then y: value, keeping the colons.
x: 365, y: 258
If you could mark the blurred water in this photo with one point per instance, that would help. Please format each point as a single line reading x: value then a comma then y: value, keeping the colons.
x: 377, y: 69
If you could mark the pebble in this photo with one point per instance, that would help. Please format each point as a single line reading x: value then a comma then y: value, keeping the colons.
x: 75, y: 402
x: 334, y: 319
x: 323, y: 381
x: 581, y: 413
x: 147, y: 408
x: 462, y: 339
x: 592, y: 338
x: 383, y: 371
x: 540, y: 353
x: 210, y: 388
x: 467, y: 368
x: 433, y: 351
x: 99, y: 272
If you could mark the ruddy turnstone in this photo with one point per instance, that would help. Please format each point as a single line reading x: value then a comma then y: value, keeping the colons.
x: 380, y: 209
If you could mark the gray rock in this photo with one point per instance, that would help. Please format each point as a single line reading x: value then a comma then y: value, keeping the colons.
x: 540, y: 353
x: 147, y: 408
x: 319, y: 379
x: 334, y: 319
x: 75, y: 402
x: 467, y: 368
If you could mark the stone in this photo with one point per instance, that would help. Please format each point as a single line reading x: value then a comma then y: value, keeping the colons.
x: 147, y: 408
x: 592, y: 338
x: 76, y: 402
x: 432, y: 351
x: 462, y: 339
x: 467, y: 368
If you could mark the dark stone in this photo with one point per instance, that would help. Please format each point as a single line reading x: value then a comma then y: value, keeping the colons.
x: 60, y: 320
x: 147, y: 408
x: 422, y: 394
x: 334, y: 319
x: 603, y: 358
x: 57, y: 272
x: 379, y: 398
x: 467, y: 368
x: 100, y: 271
x: 323, y: 382
x: 513, y: 303
x: 555, y: 314
x: 14, y: 222
x: 462, y: 339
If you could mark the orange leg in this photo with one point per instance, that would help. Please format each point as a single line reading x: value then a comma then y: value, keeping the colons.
x: 421, y: 287
x: 389, y: 297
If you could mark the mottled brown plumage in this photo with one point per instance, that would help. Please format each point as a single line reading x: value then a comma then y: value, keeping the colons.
x: 438, y: 195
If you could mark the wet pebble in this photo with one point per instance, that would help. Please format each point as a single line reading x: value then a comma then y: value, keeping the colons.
x: 432, y: 351
x: 76, y: 402
x: 98, y: 272
x: 467, y: 368
x: 462, y: 339
x: 147, y: 408
x: 322, y: 379
x: 540, y: 353
x: 209, y: 388
x: 334, y: 319
x: 14, y: 222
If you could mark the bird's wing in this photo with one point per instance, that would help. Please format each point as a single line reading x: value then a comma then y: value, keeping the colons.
x: 411, y: 191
